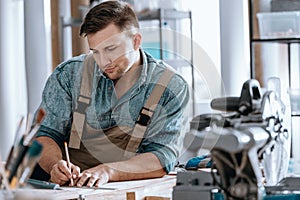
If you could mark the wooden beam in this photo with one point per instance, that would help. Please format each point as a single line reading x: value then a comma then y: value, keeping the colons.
x: 55, y: 36
x: 79, y: 44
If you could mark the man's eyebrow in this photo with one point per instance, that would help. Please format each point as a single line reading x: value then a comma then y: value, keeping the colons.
x: 109, y: 46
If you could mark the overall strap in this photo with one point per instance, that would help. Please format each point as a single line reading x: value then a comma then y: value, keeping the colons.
x: 147, y: 112
x: 83, y: 102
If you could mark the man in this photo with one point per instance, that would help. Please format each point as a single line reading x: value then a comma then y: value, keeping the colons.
x: 99, y: 104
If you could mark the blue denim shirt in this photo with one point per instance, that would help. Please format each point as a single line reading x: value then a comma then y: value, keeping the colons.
x: 164, y: 135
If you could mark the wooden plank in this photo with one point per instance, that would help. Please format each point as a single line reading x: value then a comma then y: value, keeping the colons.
x: 55, y: 33
x: 79, y: 44
x: 130, y: 195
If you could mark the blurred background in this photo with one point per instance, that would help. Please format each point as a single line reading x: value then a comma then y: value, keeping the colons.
x: 208, y: 42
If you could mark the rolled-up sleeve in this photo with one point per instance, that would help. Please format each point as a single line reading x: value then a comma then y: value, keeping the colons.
x: 165, y: 134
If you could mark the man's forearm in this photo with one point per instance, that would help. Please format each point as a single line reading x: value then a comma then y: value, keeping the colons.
x: 51, y: 153
x: 142, y: 166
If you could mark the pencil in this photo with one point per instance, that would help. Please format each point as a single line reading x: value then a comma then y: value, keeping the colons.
x: 68, y: 161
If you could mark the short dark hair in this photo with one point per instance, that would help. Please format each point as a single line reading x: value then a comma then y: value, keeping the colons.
x: 100, y: 16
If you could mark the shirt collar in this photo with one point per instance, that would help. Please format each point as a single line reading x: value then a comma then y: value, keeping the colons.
x: 144, y: 72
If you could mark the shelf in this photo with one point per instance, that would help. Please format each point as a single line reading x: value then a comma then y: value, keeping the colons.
x: 158, y: 14
x: 279, y: 40
x: 256, y: 37
x: 171, y: 14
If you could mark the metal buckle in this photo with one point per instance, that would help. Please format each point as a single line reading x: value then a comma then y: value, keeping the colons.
x: 144, y: 119
x: 82, y: 106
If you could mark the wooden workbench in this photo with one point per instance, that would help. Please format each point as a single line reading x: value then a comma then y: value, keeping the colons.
x: 148, y: 189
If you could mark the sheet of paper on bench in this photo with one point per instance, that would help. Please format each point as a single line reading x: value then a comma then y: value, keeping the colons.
x: 120, y: 185
x: 112, y: 190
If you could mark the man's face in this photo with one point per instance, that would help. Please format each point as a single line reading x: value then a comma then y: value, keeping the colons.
x: 114, y: 51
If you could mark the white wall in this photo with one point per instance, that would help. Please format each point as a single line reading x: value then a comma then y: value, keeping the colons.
x: 13, y: 74
x: 206, y: 37
x: 221, y: 46
x: 206, y: 47
x: 235, y: 56
x: 13, y: 101
x: 37, y: 48
x: 221, y: 53
x: 206, y: 26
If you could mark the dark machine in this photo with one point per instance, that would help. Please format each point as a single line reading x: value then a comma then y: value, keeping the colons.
x: 249, y: 143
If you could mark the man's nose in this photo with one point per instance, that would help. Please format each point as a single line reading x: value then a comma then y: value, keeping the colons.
x: 104, y: 59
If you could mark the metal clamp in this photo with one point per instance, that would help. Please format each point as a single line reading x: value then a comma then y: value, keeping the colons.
x: 143, y: 118
x: 83, y: 103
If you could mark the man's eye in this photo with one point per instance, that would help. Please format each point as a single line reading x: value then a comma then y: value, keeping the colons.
x: 111, y: 48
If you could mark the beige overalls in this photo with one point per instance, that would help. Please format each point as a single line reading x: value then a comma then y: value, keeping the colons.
x: 90, y: 147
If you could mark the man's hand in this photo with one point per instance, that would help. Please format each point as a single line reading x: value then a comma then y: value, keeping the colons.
x: 95, y: 176
x: 135, y: 168
x: 61, y: 174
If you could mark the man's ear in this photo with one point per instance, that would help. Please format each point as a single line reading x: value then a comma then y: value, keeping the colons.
x: 137, y: 41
